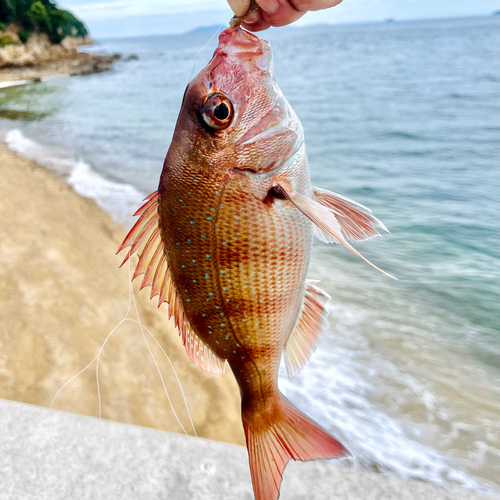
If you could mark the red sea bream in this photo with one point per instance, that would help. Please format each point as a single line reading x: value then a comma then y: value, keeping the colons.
x: 226, y: 242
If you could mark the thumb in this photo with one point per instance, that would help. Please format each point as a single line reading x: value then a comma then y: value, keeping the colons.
x: 239, y: 7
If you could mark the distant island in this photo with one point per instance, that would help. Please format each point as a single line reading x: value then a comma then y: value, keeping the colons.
x: 38, y: 39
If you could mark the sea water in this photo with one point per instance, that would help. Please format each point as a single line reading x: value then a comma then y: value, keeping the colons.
x: 401, y: 117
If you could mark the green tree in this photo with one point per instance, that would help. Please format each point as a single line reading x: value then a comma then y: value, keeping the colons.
x: 43, y: 16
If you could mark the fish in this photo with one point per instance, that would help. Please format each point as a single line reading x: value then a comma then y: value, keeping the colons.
x: 226, y: 242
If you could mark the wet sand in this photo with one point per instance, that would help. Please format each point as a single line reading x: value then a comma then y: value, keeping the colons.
x: 62, y: 293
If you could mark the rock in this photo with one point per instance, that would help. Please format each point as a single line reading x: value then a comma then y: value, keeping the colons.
x: 131, y: 57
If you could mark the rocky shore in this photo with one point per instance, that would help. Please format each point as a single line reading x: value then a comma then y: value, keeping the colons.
x: 39, y: 58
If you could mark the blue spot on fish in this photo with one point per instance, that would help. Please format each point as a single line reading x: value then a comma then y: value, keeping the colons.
x: 191, y: 222
x: 209, y: 218
x: 208, y: 256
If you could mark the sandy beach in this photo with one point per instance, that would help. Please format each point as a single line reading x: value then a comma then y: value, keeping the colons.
x: 62, y: 293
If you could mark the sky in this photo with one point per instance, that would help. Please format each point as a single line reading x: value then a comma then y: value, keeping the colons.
x: 116, y: 18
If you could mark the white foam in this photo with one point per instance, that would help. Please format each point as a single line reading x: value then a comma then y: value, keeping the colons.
x: 335, y: 389
x: 4, y: 85
x: 119, y: 200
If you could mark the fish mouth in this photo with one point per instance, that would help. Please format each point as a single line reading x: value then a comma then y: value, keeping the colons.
x: 255, y: 54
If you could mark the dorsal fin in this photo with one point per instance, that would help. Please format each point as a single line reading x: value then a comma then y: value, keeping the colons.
x: 303, y: 340
x: 145, y: 241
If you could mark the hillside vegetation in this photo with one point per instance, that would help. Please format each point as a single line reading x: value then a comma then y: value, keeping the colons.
x: 20, y: 18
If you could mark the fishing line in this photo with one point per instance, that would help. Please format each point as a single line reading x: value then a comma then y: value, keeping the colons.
x: 131, y: 298
x: 154, y: 359
x: 205, y: 46
x: 175, y: 373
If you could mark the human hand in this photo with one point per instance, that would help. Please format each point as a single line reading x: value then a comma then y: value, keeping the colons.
x: 276, y: 12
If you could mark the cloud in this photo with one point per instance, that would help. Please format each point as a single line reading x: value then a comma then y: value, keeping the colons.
x: 89, y: 10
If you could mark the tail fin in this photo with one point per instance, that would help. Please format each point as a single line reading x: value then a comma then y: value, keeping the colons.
x: 274, y: 439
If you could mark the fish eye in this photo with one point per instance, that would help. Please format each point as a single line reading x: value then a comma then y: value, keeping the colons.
x: 217, y: 111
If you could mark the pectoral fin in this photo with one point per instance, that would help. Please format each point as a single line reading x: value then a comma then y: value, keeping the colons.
x: 357, y: 222
x: 325, y: 218
x: 145, y: 241
x: 302, y: 342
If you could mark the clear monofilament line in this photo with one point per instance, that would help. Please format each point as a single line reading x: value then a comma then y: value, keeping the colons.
x: 205, y: 46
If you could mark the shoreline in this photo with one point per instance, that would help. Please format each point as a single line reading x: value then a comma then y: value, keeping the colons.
x: 74, y: 64
x: 216, y: 413
x: 123, y: 407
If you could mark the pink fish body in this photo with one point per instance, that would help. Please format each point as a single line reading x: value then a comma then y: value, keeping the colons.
x: 226, y: 242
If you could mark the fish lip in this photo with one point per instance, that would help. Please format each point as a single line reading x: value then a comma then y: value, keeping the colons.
x: 252, y: 51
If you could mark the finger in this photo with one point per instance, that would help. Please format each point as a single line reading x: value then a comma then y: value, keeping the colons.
x: 286, y: 14
x: 306, y: 5
x: 239, y: 7
x: 255, y: 22
x: 271, y: 6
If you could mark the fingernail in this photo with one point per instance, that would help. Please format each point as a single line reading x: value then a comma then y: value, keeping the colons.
x: 269, y: 6
x: 239, y: 7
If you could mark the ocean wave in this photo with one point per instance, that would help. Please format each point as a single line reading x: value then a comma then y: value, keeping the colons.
x: 117, y: 199
x: 336, y: 389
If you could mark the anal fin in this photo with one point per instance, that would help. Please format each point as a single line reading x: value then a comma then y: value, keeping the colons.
x: 302, y: 342
x: 145, y: 241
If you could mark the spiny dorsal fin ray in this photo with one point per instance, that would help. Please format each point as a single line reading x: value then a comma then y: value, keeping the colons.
x: 145, y: 241
x: 302, y: 342
x: 325, y: 219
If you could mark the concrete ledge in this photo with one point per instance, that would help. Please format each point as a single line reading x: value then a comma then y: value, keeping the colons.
x: 49, y: 454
